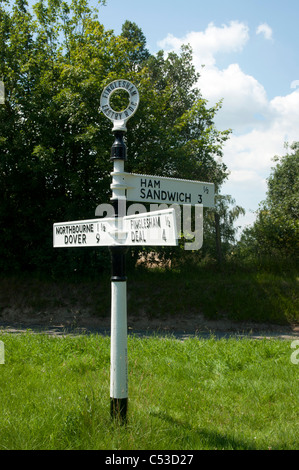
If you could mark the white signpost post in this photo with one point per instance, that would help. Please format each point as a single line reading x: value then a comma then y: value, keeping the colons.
x: 156, y: 228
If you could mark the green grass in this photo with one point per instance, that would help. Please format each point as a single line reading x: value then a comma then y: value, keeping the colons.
x: 196, y: 394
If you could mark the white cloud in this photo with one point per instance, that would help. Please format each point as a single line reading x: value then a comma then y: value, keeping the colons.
x: 213, y: 40
x: 243, y: 96
x: 260, y: 126
x: 249, y: 155
x: 265, y: 30
x: 253, y: 151
x: 241, y: 176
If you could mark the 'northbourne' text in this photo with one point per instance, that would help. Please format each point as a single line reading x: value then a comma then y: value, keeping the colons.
x: 75, y: 233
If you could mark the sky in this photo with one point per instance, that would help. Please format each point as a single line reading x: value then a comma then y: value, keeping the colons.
x: 249, y: 50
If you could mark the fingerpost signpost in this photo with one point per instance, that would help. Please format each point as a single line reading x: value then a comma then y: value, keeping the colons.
x: 155, y: 228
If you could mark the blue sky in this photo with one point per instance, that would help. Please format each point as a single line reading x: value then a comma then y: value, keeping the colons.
x: 158, y: 18
x: 250, y: 52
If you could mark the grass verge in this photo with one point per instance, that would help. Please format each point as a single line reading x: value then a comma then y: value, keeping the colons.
x: 196, y: 394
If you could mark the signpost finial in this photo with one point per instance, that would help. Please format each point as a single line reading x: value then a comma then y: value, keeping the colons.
x: 119, y: 118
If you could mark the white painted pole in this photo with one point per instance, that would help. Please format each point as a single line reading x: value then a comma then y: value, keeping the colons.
x: 119, y: 356
x: 118, y: 353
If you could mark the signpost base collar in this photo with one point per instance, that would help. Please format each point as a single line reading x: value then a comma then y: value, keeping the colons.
x: 118, y: 409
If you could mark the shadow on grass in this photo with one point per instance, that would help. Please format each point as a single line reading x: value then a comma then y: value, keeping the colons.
x: 202, y: 438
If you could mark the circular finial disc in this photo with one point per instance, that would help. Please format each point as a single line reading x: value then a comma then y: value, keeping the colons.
x: 119, y: 118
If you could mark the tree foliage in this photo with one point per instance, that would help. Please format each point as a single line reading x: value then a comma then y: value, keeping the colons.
x: 276, y: 230
x: 54, y: 141
x: 135, y: 36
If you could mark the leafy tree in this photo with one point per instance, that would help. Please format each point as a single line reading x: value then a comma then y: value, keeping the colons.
x: 283, y: 184
x: 276, y: 229
x: 135, y: 36
x: 219, y: 227
x: 54, y: 141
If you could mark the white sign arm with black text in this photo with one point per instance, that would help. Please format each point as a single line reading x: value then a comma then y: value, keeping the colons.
x: 150, y: 229
x: 161, y: 189
x: 95, y: 232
